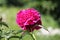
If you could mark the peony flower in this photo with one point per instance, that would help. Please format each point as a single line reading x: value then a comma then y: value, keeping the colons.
x: 29, y: 19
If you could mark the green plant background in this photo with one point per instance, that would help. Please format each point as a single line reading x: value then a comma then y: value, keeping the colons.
x: 47, y: 20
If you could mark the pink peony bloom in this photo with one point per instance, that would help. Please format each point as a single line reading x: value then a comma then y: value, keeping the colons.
x: 29, y: 19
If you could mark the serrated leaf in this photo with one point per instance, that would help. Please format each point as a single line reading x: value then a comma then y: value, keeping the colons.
x: 3, y: 23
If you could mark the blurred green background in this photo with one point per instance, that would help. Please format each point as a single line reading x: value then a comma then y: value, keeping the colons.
x: 49, y: 10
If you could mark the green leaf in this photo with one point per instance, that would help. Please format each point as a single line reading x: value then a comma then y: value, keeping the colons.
x: 1, y: 37
x: 45, y: 28
x: 3, y: 23
x: 13, y: 37
x: 19, y: 31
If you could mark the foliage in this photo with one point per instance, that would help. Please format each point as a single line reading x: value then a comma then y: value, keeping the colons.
x: 45, y: 7
x: 11, y: 33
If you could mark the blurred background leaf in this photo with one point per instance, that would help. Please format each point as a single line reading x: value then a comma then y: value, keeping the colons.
x: 3, y: 23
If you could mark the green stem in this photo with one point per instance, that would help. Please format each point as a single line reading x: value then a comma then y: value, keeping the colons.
x: 22, y: 34
x: 32, y: 35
